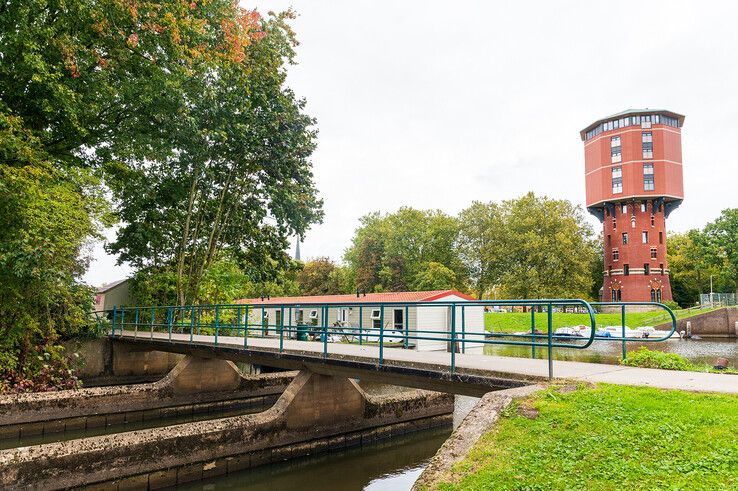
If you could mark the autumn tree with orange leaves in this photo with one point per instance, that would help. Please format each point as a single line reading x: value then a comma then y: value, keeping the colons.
x: 179, y: 111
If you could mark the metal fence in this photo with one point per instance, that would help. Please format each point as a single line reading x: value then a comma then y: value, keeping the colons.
x: 454, y: 325
x: 717, y: 299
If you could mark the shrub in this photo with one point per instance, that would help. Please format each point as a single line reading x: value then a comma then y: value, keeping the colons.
x: 645, y: 358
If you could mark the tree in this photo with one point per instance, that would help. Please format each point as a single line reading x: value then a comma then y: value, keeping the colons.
x: 236, y: 180
x: 723, y: 243
x: 482, y: 245
x: 108, y: 89
x: 320, y: 276
x: 434, y: 276
x: 388, y: 252
x: 550, y: 249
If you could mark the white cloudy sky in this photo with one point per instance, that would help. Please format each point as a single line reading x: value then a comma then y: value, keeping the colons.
x: 435, y: 104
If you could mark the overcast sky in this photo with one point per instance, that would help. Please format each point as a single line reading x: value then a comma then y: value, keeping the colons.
x: 436, y: 104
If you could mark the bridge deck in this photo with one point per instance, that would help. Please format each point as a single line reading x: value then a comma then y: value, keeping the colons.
x: 498, y: 367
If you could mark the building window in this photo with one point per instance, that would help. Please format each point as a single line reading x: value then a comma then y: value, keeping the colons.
x: 648, y: 177
x: 614, y: 223
x: 625, y: 238
x: 646, y: 268
x: 644, y: 237
x: 656, y: 295
x: 376, y: 319
x: 661, y: 267
x: 643, y: 207
x: 647, y: 150
x: 615, y: 255
x: 617, y: 180
x: 661, y: 237
x: 609, y: 240
x: 653, y: 220
x: 624, y: 208
x: 626, y: 270
x: 615, y: 152
x: 398, y: 319
x: 646, y: 137
x: 653, y: 253
x: 615, y: 295
x: 342, y: 315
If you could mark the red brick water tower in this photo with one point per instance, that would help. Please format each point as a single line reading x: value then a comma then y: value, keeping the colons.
x: 633, y: 175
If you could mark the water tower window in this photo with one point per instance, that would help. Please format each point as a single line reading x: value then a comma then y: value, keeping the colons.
x: 643, y: 207
x: 615, y: 152
x: 624, y: 208
x: 615, y: 255
x: 661, y: 237
x: 646, y: 268
x: 617, y: 180
x: 626, y: 270
x: 625, y: 238
x: 648, y: 177
x: 653, y: 253
x: 644, y: 237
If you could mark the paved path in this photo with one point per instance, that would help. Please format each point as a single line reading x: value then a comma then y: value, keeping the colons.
x: 510, y: 367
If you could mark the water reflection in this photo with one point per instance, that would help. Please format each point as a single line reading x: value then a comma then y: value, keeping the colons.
x: 697, y: 351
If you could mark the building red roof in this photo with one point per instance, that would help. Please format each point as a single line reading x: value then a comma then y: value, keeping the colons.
x: 426, y: 296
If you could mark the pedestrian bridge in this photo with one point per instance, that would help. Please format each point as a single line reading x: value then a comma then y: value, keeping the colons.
x: 388, y: 353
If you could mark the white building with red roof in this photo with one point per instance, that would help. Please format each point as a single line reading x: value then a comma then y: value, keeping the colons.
x: 364, y: 314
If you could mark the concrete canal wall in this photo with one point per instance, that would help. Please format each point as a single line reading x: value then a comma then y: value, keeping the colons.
x: 315, y: 413
x: 716, y: 323
x: 192, y: 382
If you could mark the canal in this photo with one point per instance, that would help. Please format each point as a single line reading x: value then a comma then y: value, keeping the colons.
x: 705, y: 350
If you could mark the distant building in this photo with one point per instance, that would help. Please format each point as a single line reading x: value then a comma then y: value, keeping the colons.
x: 113, y: 294
x: 633, y: 175
x: 361, y: 312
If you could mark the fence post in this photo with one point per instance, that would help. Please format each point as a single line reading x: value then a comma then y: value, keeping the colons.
x: 361, y: 321
x: 407, y: 327
x: 381, y: 334
x: 135, y: 326
x: 463, y: 331
x: 281, y: 329
x: 533, y: 329
x: 263, y: 331
x: 192, y: 322
x: 622, y: 322
x: 453, y: 337
x: 217, y: 323
x: 169, y: 322
x: 246, y: 329
x: 325, y: 331
x: 550, y: 343
x: 122, y: 321
x: 115, y: 314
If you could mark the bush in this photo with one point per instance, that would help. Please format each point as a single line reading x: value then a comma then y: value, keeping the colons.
x: 645, y: 358
x: 672, y: 305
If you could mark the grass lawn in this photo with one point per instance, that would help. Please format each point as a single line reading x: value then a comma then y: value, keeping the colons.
x: 519, y: 321
x: 607, y: 438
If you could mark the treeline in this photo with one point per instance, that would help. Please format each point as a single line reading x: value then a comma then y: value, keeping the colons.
x: 530, y: 247
x: 700, y: 256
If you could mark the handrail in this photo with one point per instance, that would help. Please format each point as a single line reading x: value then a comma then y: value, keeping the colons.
x: 263, y: 319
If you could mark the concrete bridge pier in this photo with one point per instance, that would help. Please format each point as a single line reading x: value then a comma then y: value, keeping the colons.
x: 315, y: 413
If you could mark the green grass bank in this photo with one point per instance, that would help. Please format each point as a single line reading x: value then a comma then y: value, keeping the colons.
x: 507, y: 322
x: 607, y: 438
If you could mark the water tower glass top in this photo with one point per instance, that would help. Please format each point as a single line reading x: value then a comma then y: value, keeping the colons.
x: 633, y: 176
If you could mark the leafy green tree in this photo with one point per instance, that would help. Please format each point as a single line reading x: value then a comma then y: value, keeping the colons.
x: 482, y: 245
x: 89, y: 88
x: 434, y: 276
x: 550, y: 249
x: 388, y: 252
x: 723, y: 243
x: 320, y: 276
x: 236, y: 181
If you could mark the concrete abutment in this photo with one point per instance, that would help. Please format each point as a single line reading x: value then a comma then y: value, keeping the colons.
x: 315, y: 413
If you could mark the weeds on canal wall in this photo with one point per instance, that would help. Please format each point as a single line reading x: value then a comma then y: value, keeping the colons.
x: 646, y: 358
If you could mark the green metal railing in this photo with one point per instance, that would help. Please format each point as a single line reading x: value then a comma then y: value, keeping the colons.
x: 460, y: 325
